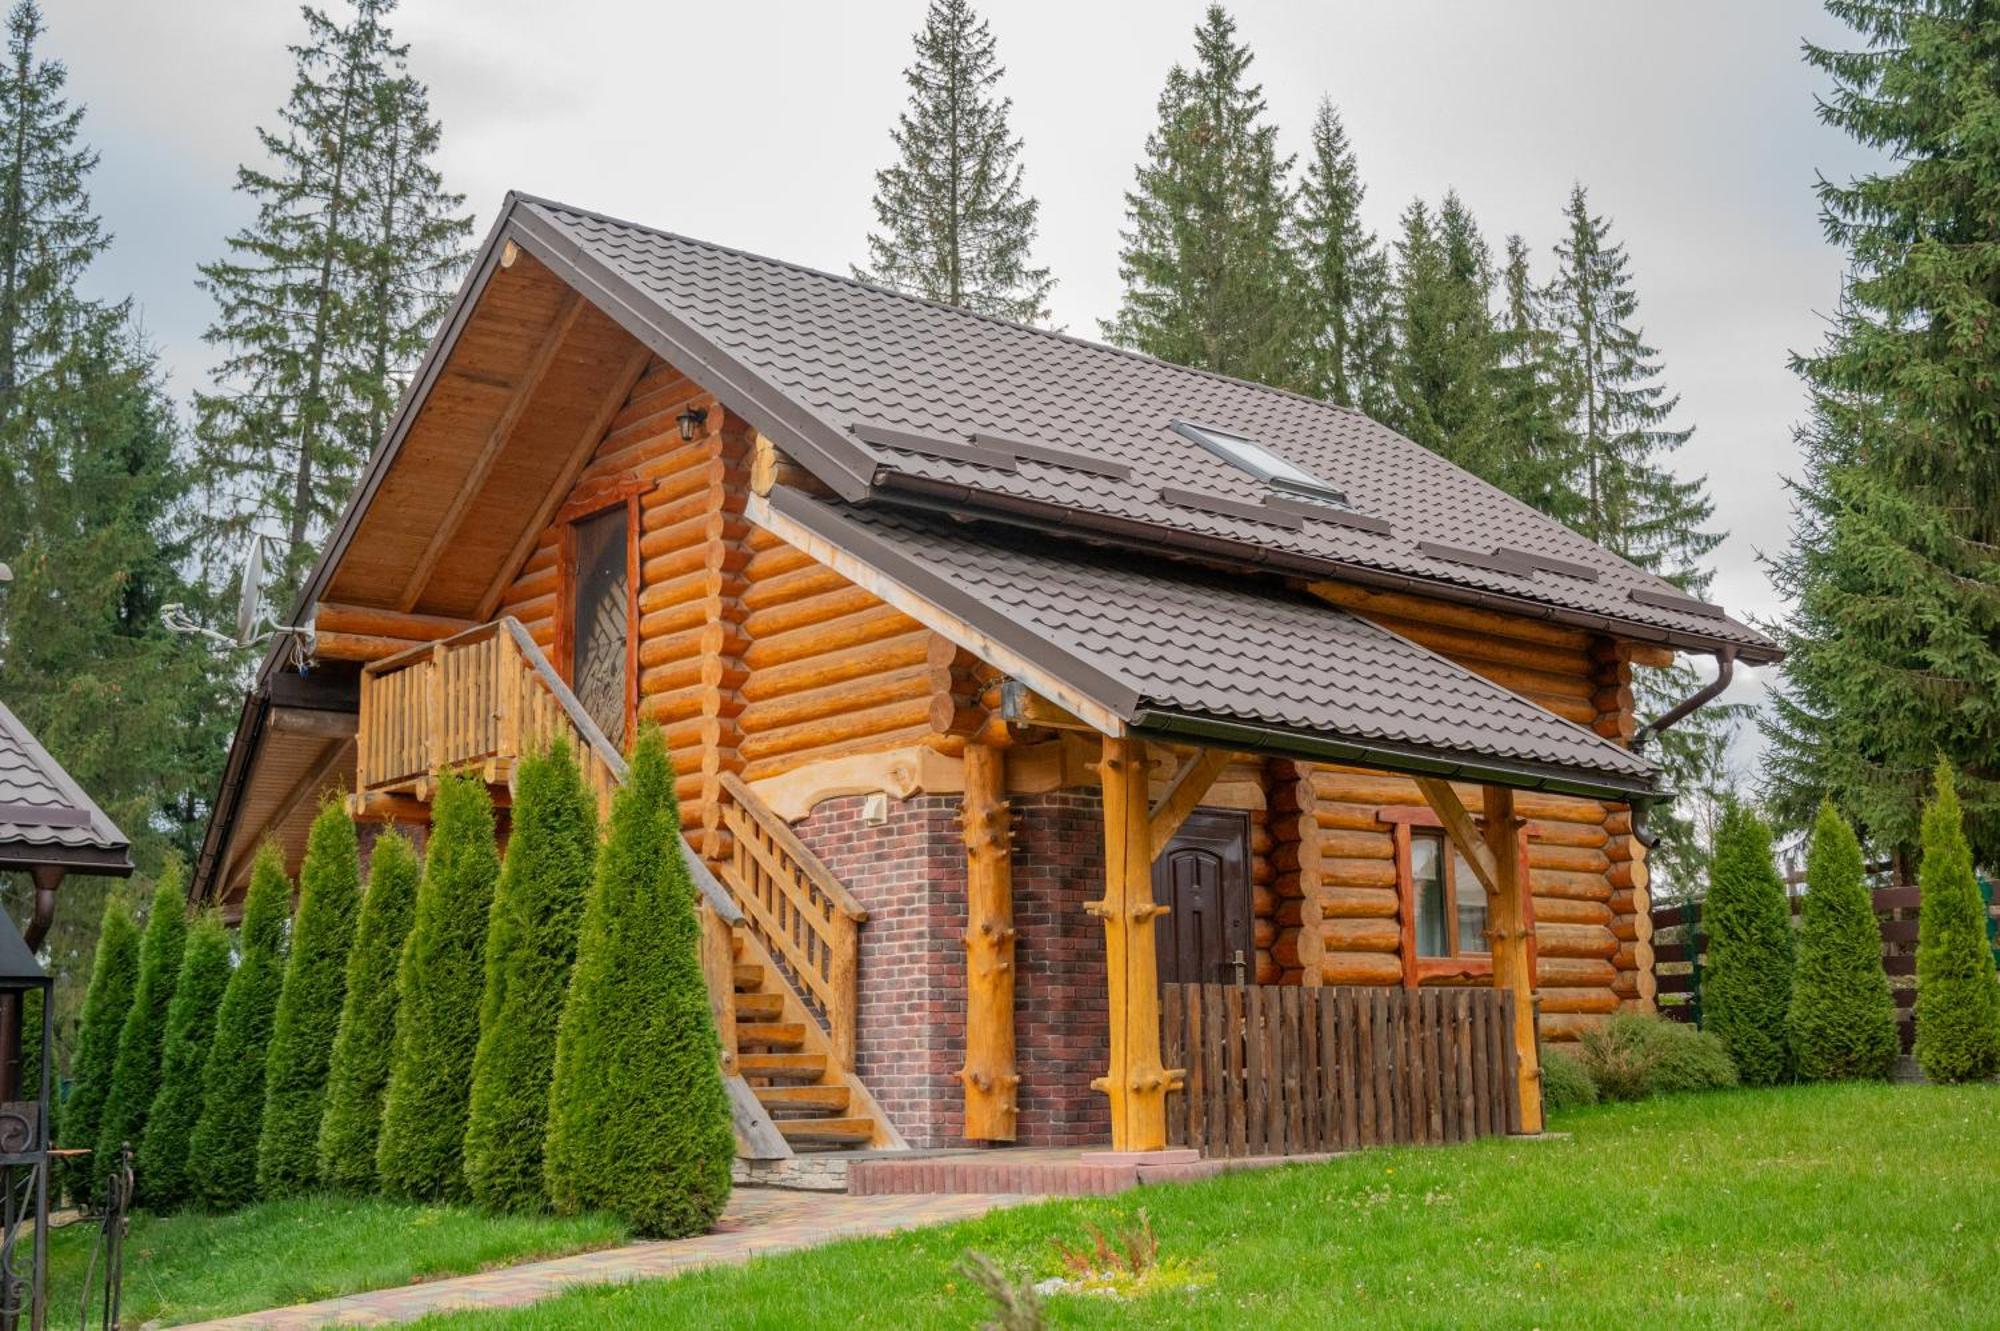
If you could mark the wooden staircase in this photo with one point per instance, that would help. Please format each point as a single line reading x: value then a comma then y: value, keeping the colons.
x: 811, y: 1102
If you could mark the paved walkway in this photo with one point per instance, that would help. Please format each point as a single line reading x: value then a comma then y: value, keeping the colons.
x: 758, y: 1220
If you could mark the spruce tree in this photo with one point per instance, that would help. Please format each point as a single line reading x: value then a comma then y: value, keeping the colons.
x: 340, y: 276
x: 1535, y: 449
x: 1843, y: 1019
x: 1893, y: 656
x: 162, y: 1166
x: 438, y: 988
x: 135, y: 1076
x: 358, y: 1074
x: 309, y: 1006
x: 1343, y: 278
x: 222, y: 1155
x: 1207, y: 271
x: 953, y: 222
x: 1958, y: 998
x: 1746, y: 986
x: 639, y: 1123
x: 530, y: 948
x: 114, y: 976
x: 1447, y: 352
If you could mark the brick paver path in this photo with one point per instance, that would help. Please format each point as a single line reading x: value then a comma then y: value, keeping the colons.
x: 758, y: 1220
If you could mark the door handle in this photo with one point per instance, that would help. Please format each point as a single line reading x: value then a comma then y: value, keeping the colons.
x: 1240, y: 966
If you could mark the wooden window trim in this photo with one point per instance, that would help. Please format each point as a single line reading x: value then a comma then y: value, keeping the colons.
x: 1404, y: 821
x: 592, y: 502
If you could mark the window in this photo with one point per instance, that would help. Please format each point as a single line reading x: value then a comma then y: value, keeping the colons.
x: 1450, y: 901
x: 596, y: 646
x: 1251, y: 456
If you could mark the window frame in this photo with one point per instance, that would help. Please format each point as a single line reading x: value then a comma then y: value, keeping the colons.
x: 1405, y: 822
x: 582, y: 507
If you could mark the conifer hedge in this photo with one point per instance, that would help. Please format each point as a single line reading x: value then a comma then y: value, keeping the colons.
x: 1746, y: 990
x: 421, y: 1155
x: 530, y: 948
x: 114, y: 975
x: 1958, y: 1003
x: 358, y: 1074
x: 162, y: 1172
x: 135, y: 1077
x: 1842, y: 1020
x: 222, y: 1156
x: 639, y: 1123
x: 309, y: 1006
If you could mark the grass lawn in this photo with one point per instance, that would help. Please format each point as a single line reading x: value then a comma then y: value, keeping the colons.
x: 187, y: 1268
x: 1871, y: 1206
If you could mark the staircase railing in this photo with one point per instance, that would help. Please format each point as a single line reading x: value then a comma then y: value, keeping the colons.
x: 802, y: 914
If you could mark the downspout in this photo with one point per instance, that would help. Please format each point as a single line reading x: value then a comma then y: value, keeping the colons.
x: 1725, y: 670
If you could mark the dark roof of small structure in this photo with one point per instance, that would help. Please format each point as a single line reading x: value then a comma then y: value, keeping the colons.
x: 18, y: 967
x: 45, y: 818
x: 1178, y: 651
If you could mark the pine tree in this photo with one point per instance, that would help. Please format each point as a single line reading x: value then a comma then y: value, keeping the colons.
x: 222, y: 1155
x: 358, y: 1074
x: 954, y: 224
x: 1747, y: 986
x: 1958, y: 998
x: 1343, y: 277
x: 438, y: 990
x: 135, y: 1076
x: 530, y: 949
x: 1843, y: 1019
x: 1535, y: 451
x: 1447, y: 352
x: 162, y: 1165
x: 639, y: 1123
x: 308, y: 1015
x: 114, y: 976
x: 1894, y: 642
x: 1207, y: 273
x: 338, y: 280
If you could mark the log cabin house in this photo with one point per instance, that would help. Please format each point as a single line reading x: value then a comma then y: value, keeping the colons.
x: 1033, y: 703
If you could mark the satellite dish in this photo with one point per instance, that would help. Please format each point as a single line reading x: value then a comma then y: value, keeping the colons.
x: 250, y: 597
x: 6, y: 574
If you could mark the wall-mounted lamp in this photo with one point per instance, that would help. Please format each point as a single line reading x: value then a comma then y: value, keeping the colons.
x: 692, y: 420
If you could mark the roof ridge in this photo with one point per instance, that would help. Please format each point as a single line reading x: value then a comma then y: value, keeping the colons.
x: 941, y: 306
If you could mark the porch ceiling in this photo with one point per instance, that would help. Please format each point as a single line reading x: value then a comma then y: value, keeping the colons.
x: 1169, y: 650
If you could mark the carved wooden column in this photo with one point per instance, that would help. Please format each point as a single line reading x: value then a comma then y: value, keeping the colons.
x: 991, y: 1079
x: 1512, y: 968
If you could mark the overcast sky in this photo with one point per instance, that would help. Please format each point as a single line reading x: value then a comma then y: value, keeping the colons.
x: 760, y: 126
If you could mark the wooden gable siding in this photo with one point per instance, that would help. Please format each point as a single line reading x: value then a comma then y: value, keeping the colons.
x: 753, y: 658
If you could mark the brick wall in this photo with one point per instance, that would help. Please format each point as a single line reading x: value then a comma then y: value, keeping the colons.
x: 1061, y: 1017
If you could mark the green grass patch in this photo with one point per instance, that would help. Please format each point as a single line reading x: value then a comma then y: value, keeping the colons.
x: 186, y: 1268
x: 1823, y: 1206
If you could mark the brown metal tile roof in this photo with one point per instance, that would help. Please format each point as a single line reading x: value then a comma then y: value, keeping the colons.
x: 1224, y: 660
x: 886, y: 396
x: 45, y: 818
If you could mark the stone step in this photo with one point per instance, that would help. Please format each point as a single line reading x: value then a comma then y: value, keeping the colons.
x: 820, y: 1099
x: 782, y: 1067
x: 770, y: 1034
x: 759, y: 1007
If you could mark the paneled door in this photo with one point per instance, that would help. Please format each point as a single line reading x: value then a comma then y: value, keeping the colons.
x: 1204, y: 875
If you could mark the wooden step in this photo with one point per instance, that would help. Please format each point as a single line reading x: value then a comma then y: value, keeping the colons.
x: 782, y: 1067
x: 749, y: 976
x: 827, y: 1099
x: 773, y: 1034
x: 845, y: 1131
x: 759, y: 1007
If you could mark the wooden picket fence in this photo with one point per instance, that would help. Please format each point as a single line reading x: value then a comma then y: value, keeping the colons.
x: 1287, y: 1070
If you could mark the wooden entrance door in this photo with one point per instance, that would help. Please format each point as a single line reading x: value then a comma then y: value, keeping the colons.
x: 1204, y: 875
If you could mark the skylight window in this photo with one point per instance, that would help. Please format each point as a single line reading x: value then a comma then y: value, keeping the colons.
x: 1248, y: 455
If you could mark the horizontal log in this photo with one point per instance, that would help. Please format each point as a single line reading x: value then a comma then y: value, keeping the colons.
x: 1358, y: 903
x: 918, y: 681
x: 1575, y: 940
x: 835, y: 730
x: 1358, y: 873
x: 1428, y: 611
x: 371, y: 622
x: 766, y: 591
x: 864, y: 627
x: 1361, y: 968
x: 824, y: 608
x: 359, y: 646
x: 860, y: 662
x: 1575, y: 886
x: 1571, y: 859
x: 1558, y: 1002
x: 1574, y: 972
x: 1564, y: 910
x: 1361, y: 935
x: 918, y: 735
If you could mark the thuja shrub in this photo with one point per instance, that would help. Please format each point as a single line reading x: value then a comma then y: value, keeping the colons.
x: 135, y: 1079
x: 1632, y: 1056
x: 439, y: 983
x: 530, y: 949
x: 309, y: 1006
x: 114, y: 975
x: 639, y: 1122
x: 1566, y: 1082
x: 162, y: 1167
x: 1746, y: 988
x: 222, y: 1156
x: 1958, y: 1005
x: 358, y: 1073
x: 1842, y: 1020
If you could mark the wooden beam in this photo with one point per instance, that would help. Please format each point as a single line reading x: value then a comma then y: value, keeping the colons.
x: 580, y: 454
x: 990, y: 1076
x: 1460, y: 827
x: 1513, y: 966
x: 496, y: 443
x: 1184, y: 792
x: 1136, y: 1081
x: 376, y: 622
x: 1022, y: 706
x: 359, y: 646
x: 312, y: 721
x: 382, y: 806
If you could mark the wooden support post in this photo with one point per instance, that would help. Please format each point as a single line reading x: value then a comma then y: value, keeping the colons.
x: 990, y: 1076
x: 1513, y: 967
x: 1136, y: 1081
